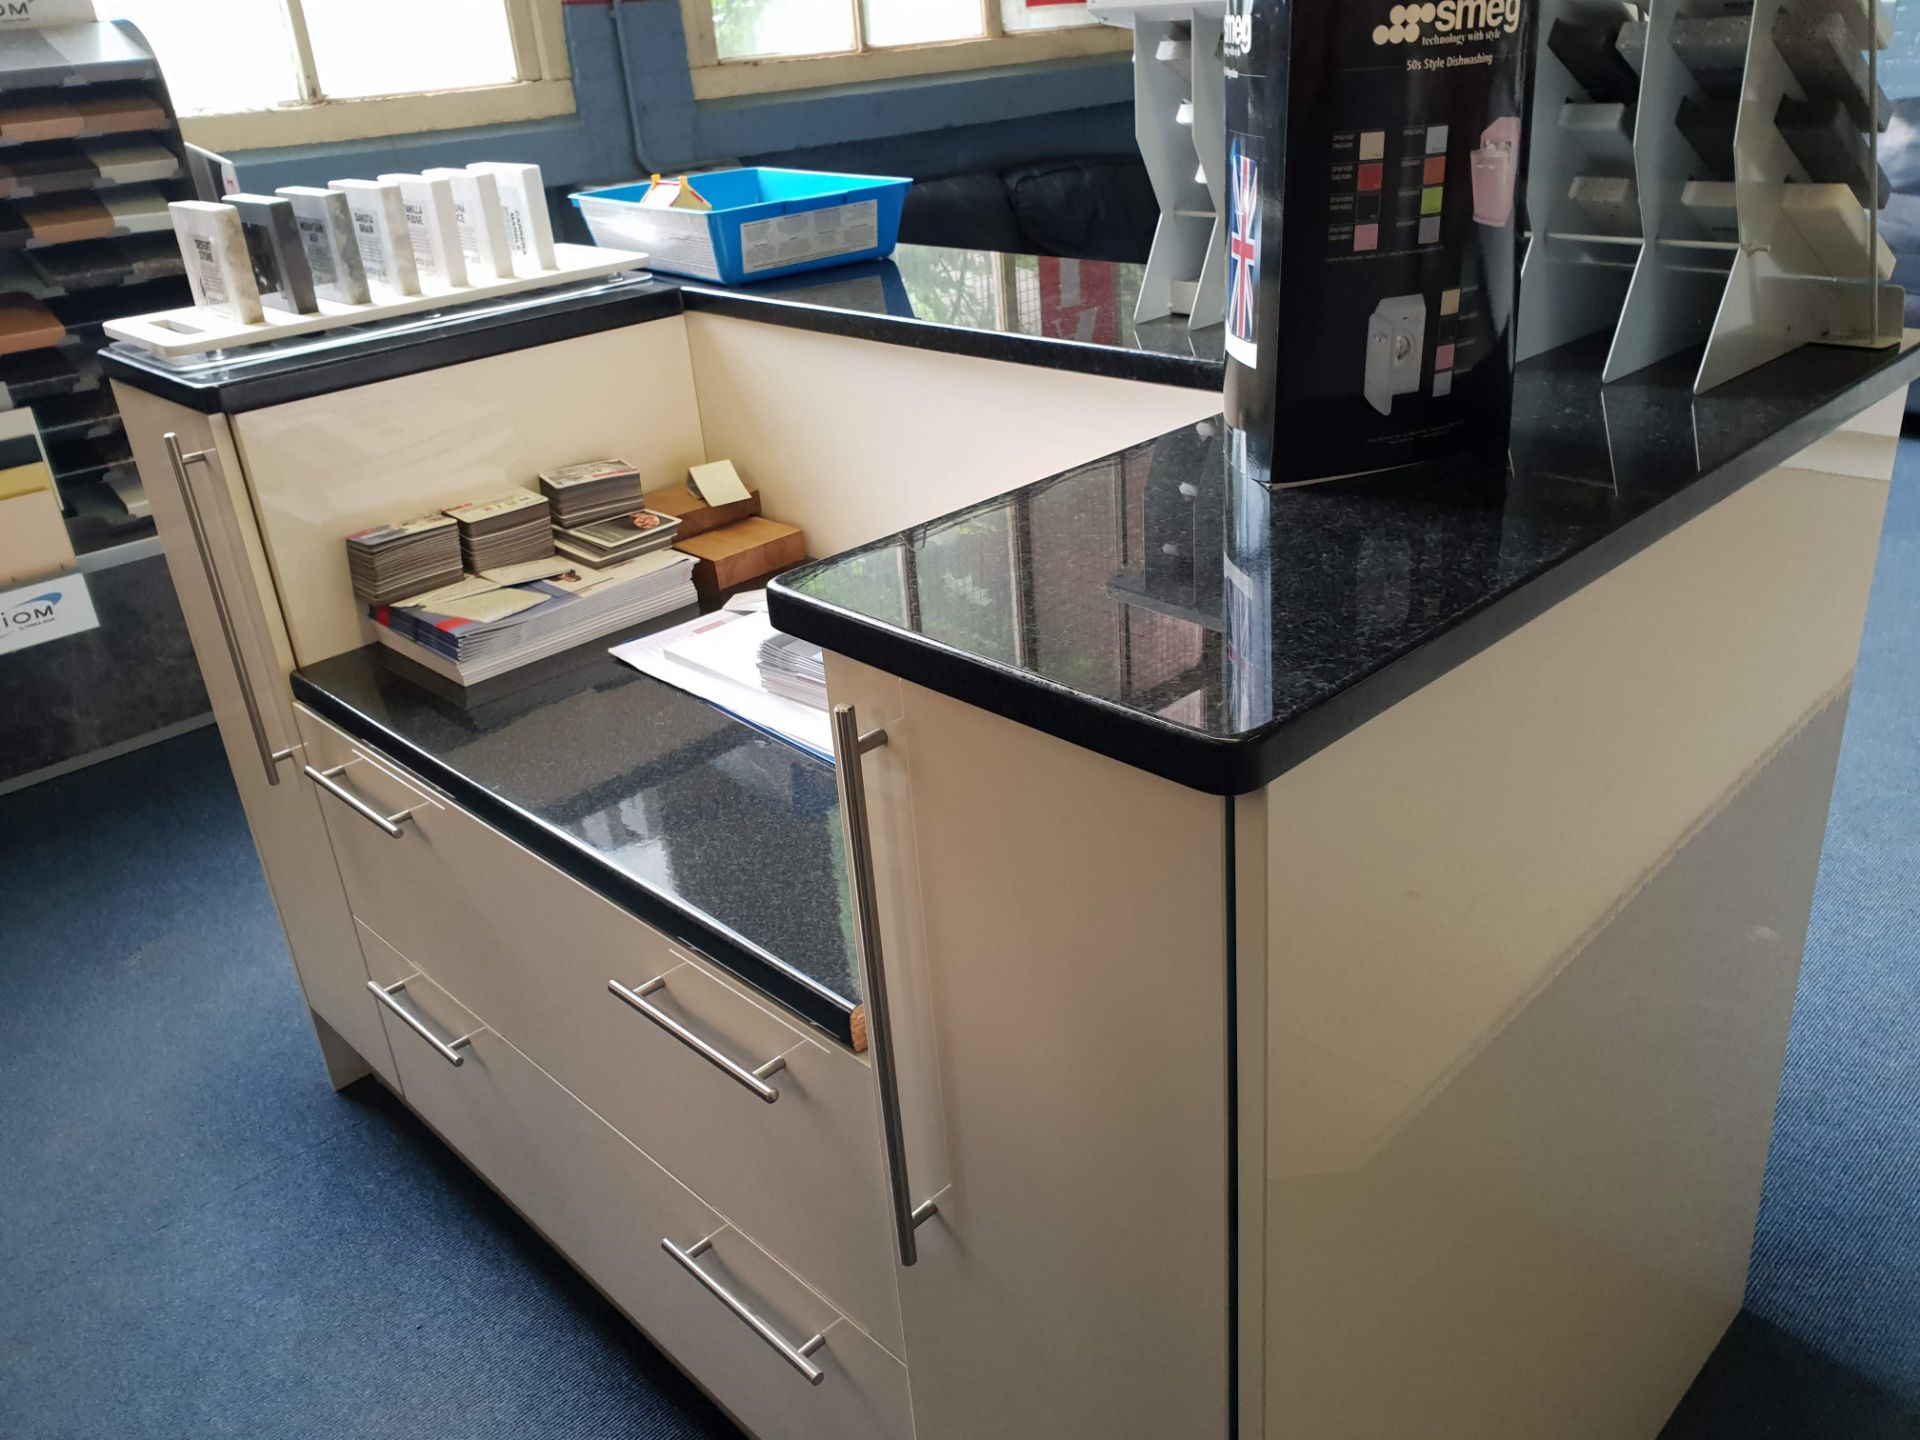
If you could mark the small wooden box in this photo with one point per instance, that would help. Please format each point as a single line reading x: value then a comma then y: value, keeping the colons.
x: 741, y: 552
x: 695, y: 515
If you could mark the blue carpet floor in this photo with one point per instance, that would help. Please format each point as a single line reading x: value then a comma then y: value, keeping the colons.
x: 198, y: 1239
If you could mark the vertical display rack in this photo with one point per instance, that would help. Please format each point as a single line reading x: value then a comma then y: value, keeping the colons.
x: 90, y: 156
x: 1180, y: 121
x: 1705, y: 173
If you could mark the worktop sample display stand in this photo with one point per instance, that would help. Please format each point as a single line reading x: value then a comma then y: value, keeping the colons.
x: 1724, y: 155
x: 184, y: 332
x: 90, y: 154
x: 1180, y: 120
x: 1581, y: 180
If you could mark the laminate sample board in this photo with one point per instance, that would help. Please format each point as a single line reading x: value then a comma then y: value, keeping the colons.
x: 27, y: 324
x: 95, y: 264
x: 58, y: 166
x: 30, y: 117
x: 62, y: 219
x: 47, y: 55
x: 36, y: 374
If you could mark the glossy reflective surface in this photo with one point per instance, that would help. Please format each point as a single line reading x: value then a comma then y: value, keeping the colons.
x: 702, y: 826
x: 1030, y: 310
x: 1086, y: 302
x: 1162, y: 608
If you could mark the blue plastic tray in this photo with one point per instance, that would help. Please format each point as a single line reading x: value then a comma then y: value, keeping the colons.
x: 764, y: 222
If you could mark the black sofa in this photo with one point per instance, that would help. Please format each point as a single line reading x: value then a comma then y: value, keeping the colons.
x: 1090, y: 208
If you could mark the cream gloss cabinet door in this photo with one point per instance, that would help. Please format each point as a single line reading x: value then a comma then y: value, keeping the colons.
x: 1053, y: 944
x: 214, y: 558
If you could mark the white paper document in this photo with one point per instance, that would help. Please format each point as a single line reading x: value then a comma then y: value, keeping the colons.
x: 715, y: 658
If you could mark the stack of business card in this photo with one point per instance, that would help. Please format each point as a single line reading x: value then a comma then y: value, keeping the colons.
x: 591, y: 491
x: 609, y: 542
x: 507, y: 531
x: 392, y: 561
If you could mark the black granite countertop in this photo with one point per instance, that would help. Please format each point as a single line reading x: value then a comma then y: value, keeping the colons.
x: 1030, y: 310
x: 1158, y: 608
x: 705, y: 828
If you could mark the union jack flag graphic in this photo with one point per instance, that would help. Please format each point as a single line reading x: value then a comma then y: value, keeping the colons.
x: 1243, y: 246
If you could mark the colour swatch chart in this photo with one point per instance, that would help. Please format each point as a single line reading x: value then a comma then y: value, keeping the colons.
x: 1450, y: 356
x: 1446, y: 347
x: 1389, y: 189
x: 1357, y: 193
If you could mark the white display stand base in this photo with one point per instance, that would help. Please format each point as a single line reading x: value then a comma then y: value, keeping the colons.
x: 176, y: 333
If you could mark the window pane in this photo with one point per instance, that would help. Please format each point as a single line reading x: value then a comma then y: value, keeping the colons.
x: 746, y: 28
x: 378, y: 47
x: 917, y: 22
x: 218, y: 55
x: 1018, y: 15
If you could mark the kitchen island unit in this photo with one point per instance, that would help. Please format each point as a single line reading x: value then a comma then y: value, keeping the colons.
x: 1375, y: 910
x: 1293, y: 964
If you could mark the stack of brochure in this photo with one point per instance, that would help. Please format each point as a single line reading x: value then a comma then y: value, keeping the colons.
x: 717, y: 657
x: 794, y: 668
x: 474, y: 637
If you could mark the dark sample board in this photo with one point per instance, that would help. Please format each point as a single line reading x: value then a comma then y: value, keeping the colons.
x: 90, y: 157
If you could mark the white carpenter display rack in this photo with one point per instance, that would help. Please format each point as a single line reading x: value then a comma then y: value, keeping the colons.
x: 1730, y: 201
x: 174, y: 334
x: 1180, y: 121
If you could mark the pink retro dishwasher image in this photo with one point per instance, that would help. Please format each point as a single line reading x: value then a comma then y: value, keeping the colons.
x: 1496, y: 166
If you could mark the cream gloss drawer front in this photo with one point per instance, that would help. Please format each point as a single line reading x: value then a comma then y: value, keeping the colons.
x: 407, y: 865
x: 776, y: 1355
x: 775, y: 1128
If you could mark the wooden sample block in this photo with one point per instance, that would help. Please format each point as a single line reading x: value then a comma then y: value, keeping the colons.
x: 744, y: 551
x: 695, y: 515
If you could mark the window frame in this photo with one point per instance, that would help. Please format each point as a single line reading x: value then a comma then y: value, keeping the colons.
x: 717, y: 79
x: 542, y: 88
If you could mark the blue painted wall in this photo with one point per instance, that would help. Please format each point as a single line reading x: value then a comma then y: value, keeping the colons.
x: 641, y: 116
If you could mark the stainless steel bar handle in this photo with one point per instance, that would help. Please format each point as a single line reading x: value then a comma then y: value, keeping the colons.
x: 794, y: 1355
x: 448, y: 1051
x: 849, y: 745
x: 754, y: 1080
x: 324, y: 779
x: 179, y: 459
